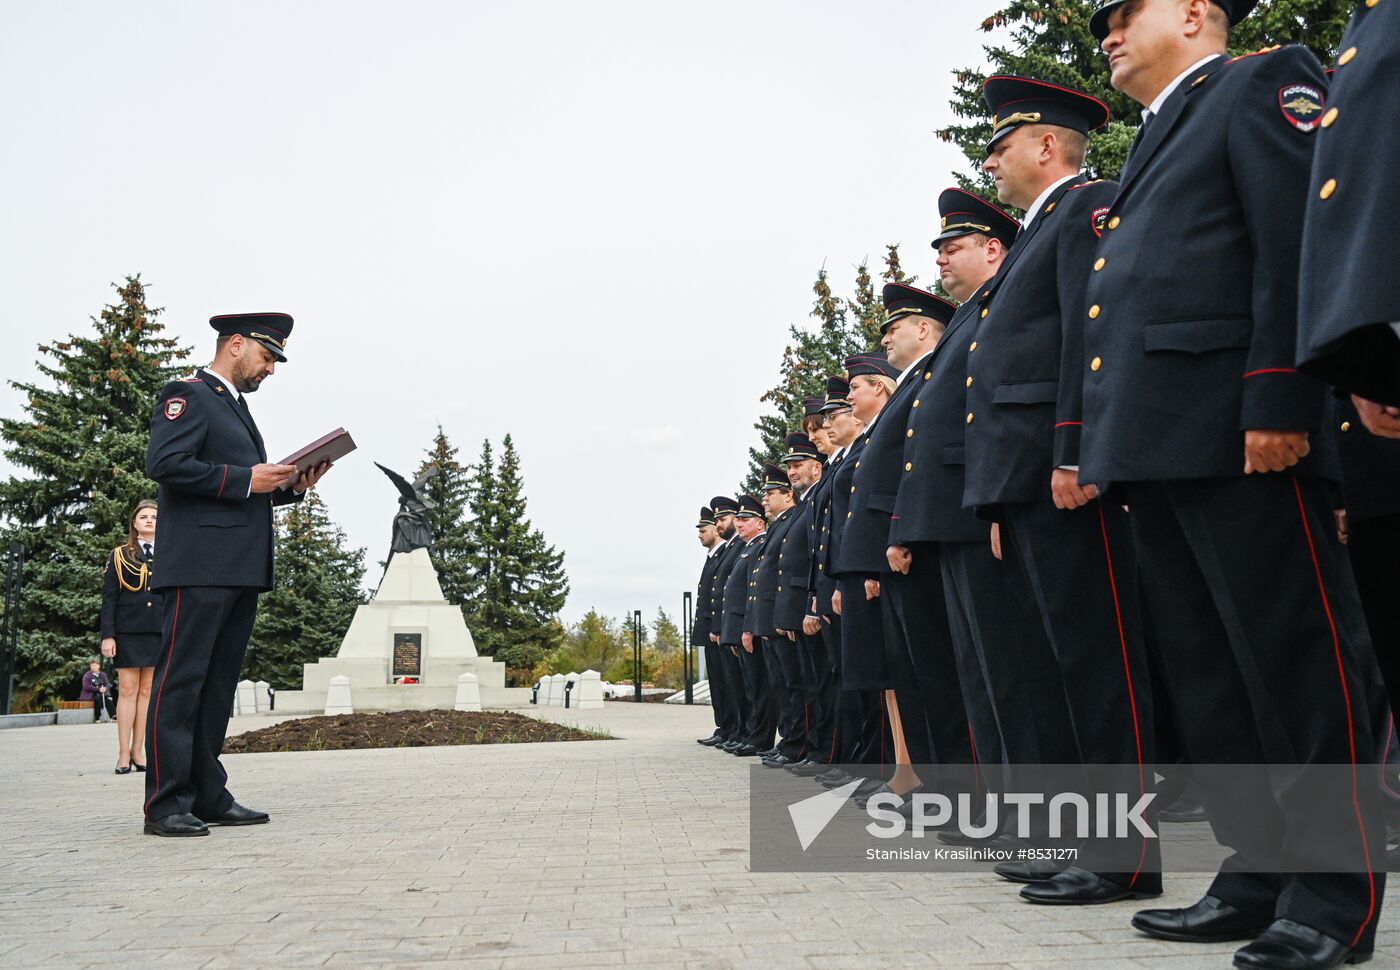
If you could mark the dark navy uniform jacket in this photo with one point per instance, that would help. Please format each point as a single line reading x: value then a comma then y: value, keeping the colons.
x: 820, y: 586
x: 790, y: 605
x: 1348, y: 296
x: 1025, y: 368
x: 866, y: 534
x: 766, y: 573
x: 203, y: 447
x: 1191, y: 320
x: 839, y: 511
x: 929, y: 506
x: 126, y: 610
x: 1370, y: 465
x: 730, y: 555
x: 700, y: 629
x: 738, y: 589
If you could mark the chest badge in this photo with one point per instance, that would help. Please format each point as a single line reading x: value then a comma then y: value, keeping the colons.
x: 174, y: 408
x: 1301, y: 105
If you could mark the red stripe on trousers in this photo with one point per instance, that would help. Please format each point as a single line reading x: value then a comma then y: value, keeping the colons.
x: 155, y: 714
x: 1346, y: 701
x: 1127, y: 676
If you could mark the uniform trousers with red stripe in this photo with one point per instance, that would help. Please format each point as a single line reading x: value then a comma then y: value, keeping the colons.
x: 1077, y: 563
x: 1264, y: 650
x: 794, y: 701
x: 205, y: 636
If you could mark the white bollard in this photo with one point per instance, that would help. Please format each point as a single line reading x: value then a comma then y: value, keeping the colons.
x: 247, y: 697
x: 338, y: 696
x: 588, y: 692
x: 546, y: 682
x: 261, y: 696
x: 468, y: 693
x: 556, y: 691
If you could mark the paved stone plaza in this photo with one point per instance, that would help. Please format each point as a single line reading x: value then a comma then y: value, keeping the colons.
x: 580, y: 854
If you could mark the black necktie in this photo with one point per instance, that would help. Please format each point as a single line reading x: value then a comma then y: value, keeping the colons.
x: 243, y: 402
x: 1142, y: 131
x: 146, y: 548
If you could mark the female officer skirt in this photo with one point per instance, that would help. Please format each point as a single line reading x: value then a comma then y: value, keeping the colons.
x: 137, y: 649
x: 863, y: 662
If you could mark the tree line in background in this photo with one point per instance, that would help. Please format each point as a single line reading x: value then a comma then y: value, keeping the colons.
x: 80, y: 448
x: 605, y: 644
x: 1045, y: 39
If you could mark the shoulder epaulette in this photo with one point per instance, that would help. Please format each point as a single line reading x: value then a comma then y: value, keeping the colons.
x: 1266, y: 50
x: 1082, y: 185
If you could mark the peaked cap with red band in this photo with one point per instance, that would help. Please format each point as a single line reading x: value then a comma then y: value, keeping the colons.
x: 269, y: 329
x: 907, y: 301
x: 961, y: 213
x: 1098, y: 23
x: 1016, y: 101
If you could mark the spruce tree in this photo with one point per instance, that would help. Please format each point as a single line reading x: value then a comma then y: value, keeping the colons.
x: 451, y: 553
x: 843, y: 327
x: 318, y: 588
x: 1050, y: 40
x: 516, y: 618
x: 81, y: 449
x: 664, y: 632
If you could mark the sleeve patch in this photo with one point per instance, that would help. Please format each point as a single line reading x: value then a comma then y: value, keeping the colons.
x: 1099, y: 219
x: 1301, y: 105
x: 174, y: 408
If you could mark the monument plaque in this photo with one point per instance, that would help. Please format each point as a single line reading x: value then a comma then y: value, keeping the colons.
x: 408, y: 655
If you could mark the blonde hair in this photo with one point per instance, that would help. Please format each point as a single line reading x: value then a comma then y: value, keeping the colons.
x: 881, y: 380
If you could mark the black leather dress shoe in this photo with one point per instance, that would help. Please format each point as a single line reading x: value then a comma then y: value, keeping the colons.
x: 711, y: 741
x: 238, y: 815
x: 834, y: 778
x: 777, y: 761
x: 1027, y: 871
x: 1184, y: 809
x: 768, y: 752
x: 176, y: 827
x: 1208, y: 921
x: 1080, y: 887
x: 1287, y: 945
x: 798, y: 767
x: 727, y: 746
x: 745, y: 751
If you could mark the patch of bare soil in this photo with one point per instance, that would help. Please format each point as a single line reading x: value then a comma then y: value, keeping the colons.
x: 404, y: 729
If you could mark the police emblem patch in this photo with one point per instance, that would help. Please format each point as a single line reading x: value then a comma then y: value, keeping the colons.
x: 174, y: 408
x: 1098, y: 220
x: 1301, y: 105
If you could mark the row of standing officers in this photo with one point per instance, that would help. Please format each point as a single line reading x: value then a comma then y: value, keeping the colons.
x: 1106, y: 508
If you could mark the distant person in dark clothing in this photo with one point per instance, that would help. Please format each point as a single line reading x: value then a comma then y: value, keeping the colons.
x: 131, y: 628
x: 95, y: 688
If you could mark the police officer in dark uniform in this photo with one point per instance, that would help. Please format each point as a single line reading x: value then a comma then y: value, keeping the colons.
x: 216, y: 497
x: 726, y: 674
x: 785, y: 678
x: 917, y: 643
x: 804, y: 463
x: 1022, y: 434
x: 700, y: 629
x: 1007, y: 671
x: 865, y: 669
x: 1192, y: 404
x: 1349, y: 314
x: 736, y: 631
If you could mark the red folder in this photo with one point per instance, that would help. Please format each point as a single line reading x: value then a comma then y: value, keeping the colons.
x: 331, y: 447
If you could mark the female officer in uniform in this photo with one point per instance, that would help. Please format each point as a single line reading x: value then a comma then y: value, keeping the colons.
x: 131, y: 624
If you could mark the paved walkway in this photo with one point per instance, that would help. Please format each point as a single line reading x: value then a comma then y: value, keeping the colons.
x: 582, y: 854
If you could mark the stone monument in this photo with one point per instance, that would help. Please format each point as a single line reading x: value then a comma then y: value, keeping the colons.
x: 408, y: 646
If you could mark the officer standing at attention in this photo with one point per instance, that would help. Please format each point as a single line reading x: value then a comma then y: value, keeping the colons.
x: 804, y: 468
x: 730, y: 681
x: 1191, y: 402
x: 700, y: 629
x: 216, y: 497
x: 758, y: 728
x: 1009, y: 677
x: 1349, y: 314
x: 779, y: 653
x: 917, y: 642
x: 1022, y: 435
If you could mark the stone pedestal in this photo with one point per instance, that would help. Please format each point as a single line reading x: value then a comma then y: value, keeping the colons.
x: 405, y: 650
x: 468, y: 694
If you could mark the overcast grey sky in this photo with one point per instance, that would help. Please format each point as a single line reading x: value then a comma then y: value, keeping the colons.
x: 586, y: 224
